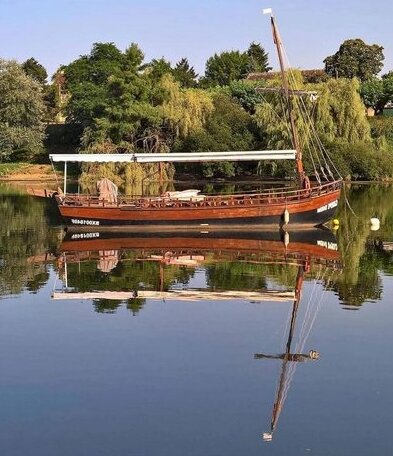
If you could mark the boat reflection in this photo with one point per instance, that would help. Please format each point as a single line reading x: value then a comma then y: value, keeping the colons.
x: 311, y: 253
x: 190, y: 250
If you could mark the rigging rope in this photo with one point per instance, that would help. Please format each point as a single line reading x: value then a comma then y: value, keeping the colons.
x: 304, y: 113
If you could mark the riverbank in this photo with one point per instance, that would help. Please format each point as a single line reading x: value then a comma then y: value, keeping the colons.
x: 26, y: 172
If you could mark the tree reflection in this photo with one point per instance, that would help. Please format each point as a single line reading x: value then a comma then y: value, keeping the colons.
x: 24, y: 233
x: 361, y: 280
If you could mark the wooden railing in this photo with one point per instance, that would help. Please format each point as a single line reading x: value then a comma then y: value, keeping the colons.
x: 273, y: 196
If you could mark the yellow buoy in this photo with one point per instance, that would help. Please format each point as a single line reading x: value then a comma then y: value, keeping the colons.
x: 335, y: 224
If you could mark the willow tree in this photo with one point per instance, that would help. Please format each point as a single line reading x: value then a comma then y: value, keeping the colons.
x: 340, y: 112
x: 184, y: 110
x: 337, y: 115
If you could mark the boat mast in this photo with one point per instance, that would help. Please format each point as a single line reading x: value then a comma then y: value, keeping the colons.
x: 287, y: 93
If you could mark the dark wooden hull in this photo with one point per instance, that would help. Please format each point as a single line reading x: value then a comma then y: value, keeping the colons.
x: 313, y: 210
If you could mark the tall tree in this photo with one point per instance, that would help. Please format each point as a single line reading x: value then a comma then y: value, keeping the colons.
x: 224, y: 68
x: 185, y: 74
x: 355, y: 58
x: 157, y: 68
x: 258, y: 59
x: 34, y: 69
x: 21, y: 113
x: 87, y: 79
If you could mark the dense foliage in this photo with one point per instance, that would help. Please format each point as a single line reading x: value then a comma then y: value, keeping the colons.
x: 222, y: 69
x: 21, y: 113
x: 125, y: 104
x: 115, y: 101
x: 355, y: 59
x: 34, y: 69
x: 228, y: 127
x: 377, y: 92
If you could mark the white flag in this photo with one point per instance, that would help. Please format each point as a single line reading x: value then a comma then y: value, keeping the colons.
x: 267, y: 11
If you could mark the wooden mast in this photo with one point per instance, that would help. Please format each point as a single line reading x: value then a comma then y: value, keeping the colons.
x: 287, y: 92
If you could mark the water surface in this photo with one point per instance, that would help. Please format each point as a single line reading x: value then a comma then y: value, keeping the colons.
x: 147, y: 346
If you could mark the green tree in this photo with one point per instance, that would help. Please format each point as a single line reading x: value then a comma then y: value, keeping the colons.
x: 387, y: 80
x: 134, y: 107
x: 21, y: 113
x: 184, y: 110
x: 245, y: 93
x: 338, y: 114
x: 185, y: 74
x: 224, y: 68
x: 34, y: 69
x: 258, y: 59
x: 229, y: 127
x: 157, y: 68
x: 87, y: 79
x: 372, y: 93
x: 355, y: 59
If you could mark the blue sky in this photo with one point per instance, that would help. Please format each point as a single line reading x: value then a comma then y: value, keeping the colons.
x: 57, y: 32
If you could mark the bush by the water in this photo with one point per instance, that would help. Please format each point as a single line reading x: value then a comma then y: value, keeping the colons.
x: 382, y: 126
x: 362, y: 160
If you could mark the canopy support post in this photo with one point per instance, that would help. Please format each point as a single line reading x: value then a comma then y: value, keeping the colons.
x: 65, y: 178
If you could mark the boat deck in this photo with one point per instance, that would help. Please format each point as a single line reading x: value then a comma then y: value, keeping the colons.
x: 270, y: 197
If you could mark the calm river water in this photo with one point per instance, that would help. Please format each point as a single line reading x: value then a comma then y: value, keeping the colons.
x: 196, y: 344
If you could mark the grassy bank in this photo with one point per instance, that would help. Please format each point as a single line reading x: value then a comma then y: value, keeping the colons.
x: 25, y: 171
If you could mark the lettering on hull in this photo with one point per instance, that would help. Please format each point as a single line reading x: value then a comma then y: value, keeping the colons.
x: 328, y: 245
x: 326, y: 207
x: 85, y: 235
x: 85, y: 222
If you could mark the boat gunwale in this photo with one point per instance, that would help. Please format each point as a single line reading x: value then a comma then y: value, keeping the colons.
x: 271, y: 197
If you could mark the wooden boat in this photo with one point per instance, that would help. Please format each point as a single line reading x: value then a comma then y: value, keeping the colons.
x: 307, y: 205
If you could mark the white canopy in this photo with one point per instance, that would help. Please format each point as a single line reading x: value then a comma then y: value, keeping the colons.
x: 176, y: 157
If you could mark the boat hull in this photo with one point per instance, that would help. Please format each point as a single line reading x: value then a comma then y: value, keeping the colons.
x: 313, y: 211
